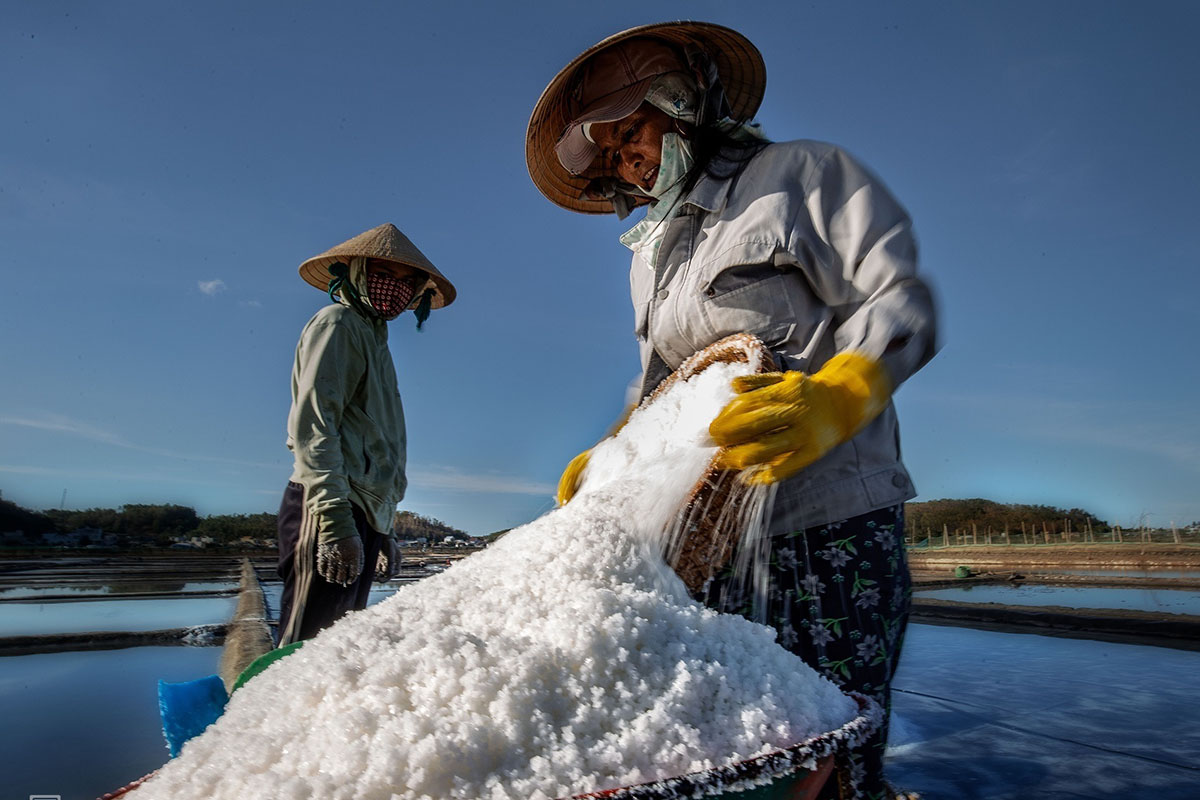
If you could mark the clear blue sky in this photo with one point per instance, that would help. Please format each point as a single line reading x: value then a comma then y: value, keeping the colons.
x: 165, y: 168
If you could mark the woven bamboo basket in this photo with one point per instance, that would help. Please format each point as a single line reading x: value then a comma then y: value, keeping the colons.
x: 710, y: 515
x: 798, y: 772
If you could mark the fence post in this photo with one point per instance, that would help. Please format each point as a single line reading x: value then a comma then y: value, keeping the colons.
x: 945, y: 535
x: 1117, y: 533
x: 1175, y: 532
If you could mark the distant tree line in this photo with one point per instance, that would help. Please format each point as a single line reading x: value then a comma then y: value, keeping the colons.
x: 409, y: 525
x: 137, y: 523
x: 962, y: 514
x: 15, y: 518
x: 162, y: 524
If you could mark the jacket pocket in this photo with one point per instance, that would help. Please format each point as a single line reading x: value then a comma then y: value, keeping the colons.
x: 751, y: 298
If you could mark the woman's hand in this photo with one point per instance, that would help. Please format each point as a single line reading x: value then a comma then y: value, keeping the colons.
x: 781, y: 422
x: 387, y: 565
x: 572, y: 476
x: 340, y: 561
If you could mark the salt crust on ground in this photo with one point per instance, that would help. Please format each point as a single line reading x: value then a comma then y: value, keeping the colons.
x: 565, y: 658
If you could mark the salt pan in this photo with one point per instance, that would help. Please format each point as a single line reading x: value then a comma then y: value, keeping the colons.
x: 564, y: 659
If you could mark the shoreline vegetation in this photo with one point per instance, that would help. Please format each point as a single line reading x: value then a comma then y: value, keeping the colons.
x: 932, y: 524
x: 146, y: 527
x: 146, y: 551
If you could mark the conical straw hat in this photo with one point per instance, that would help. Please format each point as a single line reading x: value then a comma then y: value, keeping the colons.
x: 385, y: 243
x: 743, y: 76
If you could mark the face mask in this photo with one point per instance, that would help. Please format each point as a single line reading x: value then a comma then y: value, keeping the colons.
x: 388, y: 294
x: 646, y: 237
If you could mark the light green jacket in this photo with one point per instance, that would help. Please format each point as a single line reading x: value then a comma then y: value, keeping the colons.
x: 346, y: 425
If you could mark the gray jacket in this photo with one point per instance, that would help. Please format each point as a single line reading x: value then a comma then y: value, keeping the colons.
x: 808, y: 251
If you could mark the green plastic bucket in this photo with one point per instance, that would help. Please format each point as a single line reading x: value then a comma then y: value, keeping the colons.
x: 262, y: 662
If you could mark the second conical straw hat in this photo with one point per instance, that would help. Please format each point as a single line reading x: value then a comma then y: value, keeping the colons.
x: 385, y: 243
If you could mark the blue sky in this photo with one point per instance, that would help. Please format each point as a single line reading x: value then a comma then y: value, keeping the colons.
x: 165, y: 168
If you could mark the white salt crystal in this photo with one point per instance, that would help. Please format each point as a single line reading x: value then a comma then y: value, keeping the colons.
x: 564, y: 659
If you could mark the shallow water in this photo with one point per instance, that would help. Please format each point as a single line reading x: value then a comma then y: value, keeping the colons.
x: 82, y: 724
x: 1167, y: 601
x: 101, y: 589
x: 1008, y: 716
x: 150, y: 614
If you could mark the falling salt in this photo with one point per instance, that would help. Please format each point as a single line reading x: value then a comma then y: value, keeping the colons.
x: 566, y: 658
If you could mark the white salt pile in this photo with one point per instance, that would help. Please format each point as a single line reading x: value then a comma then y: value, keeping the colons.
x: 566, y: 658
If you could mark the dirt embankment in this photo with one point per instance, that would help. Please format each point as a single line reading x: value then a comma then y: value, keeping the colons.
x: 1066, y: 556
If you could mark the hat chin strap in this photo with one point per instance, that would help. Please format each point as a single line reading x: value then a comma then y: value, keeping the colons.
x: 623, y: 195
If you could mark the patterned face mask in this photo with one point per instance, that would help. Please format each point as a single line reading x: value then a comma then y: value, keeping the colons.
x: 388, y: 294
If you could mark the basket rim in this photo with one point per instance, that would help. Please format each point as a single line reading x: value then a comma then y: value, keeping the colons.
x: 759, y: 770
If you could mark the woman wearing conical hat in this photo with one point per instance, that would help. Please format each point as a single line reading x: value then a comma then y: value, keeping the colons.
x: 794, y: 242
x: 346, y: 428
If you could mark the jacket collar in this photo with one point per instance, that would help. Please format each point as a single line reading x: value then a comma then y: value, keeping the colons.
x: 709, y: 193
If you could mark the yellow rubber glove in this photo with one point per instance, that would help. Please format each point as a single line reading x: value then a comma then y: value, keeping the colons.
x: 572, y: 476
x: 781, y: 422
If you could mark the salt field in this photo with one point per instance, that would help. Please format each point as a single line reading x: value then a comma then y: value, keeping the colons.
x: 1169, y: 601
x: 80, y: 616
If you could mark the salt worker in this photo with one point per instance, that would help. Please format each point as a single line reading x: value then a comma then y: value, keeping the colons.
x: 799, y: 244
x: 346, y: 428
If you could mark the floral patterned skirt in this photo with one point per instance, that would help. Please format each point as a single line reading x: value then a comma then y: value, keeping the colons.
x: 839, y: 596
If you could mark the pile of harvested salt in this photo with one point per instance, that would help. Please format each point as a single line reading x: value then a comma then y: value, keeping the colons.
x: 564, y: 659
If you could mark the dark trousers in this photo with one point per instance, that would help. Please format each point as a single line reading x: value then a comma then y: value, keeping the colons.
x: 311, y: 603
x: 839, y: 597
